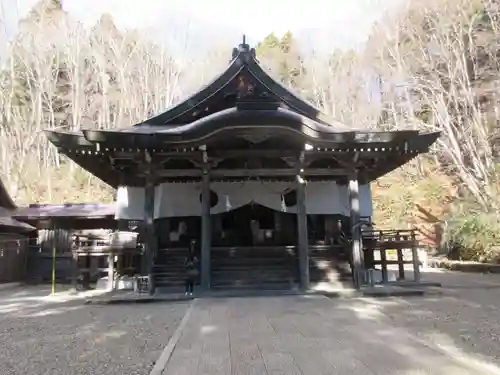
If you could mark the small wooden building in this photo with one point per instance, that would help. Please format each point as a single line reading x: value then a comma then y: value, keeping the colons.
x: 13, y: 241
x: 241, y: 162
x: 57, y: 225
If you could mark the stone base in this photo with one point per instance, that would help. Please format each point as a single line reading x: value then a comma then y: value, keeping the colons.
x: 125, y: 283
x: 392, y: 276
x: 102, y: 284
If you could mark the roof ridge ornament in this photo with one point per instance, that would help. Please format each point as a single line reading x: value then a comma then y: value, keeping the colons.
x: 243, y: 50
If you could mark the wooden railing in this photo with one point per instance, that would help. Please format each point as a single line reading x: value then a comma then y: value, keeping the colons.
x: 394, y: 243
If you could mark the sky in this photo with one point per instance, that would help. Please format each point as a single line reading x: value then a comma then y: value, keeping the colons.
x: 320, y: 23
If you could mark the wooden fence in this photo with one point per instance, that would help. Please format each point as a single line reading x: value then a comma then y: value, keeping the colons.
x: 12, y: 257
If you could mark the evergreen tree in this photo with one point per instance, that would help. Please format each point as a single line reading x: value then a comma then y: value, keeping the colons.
x: 283, y: 58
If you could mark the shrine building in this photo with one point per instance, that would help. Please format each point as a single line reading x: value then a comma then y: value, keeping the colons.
x: 259, y: 177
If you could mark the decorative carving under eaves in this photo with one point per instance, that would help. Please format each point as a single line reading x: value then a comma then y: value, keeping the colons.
x: 250, y: 90
x: 255, y: 137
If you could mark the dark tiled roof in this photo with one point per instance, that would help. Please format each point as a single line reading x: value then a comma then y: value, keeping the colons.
x: 8, y: 223
x: 77, y: 210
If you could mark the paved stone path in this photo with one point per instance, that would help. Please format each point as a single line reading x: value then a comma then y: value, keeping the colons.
x: 307, y: 336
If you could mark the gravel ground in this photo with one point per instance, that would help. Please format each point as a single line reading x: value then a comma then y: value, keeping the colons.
x: 39, y: 337
x: 462, y: 317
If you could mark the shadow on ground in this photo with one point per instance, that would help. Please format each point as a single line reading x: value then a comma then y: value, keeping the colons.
x: 315, y: 335
x: 461, y: 319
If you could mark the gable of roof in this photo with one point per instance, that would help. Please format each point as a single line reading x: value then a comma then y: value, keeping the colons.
x: 243, y: 69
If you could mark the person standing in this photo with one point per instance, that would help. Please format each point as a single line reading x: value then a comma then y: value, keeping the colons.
x: 191, y: 266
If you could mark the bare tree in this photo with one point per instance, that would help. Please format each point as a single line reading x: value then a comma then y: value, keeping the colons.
x: 441, y: 59
x: 62, y: 76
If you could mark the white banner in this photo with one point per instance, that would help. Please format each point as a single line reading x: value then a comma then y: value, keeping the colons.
x: 184, y: 199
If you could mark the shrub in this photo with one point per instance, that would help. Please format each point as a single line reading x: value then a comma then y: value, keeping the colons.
x: 473, y: 235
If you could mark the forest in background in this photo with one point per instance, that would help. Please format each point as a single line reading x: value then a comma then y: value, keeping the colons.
x: 433, y: 65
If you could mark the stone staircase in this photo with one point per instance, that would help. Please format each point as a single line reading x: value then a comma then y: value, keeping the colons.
x: 169, y: 268
x: 270, y: 268
x: 267, y: 268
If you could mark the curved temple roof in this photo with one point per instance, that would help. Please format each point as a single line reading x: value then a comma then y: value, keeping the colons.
x: 242, y: 101
x: 244, y: 95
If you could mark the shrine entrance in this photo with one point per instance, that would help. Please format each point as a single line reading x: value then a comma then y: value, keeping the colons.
x: 252, y: 225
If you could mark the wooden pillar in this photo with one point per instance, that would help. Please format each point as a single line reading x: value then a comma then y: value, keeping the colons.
x: 206, y: 231
x: 401, y: 264
x: 415, y: 259
x: 74, y: 274
x: 303, y: 242
x: 150, y: 240
x: 356, y: 248
x: 86, y: 275
x: 383, y: 265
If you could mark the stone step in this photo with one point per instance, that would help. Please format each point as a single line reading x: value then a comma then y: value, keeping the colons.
x: 251, y: 275
x: 170, y: 260
x: 276, y: 265
x: 158, y: 266
x: 243, y: 284
x: 261, y: 258
x: 163, y: 283
x: 170, y: 274
x: 253, y: 261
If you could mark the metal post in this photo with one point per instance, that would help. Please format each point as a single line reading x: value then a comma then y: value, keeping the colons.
x: 357, y: 256
x: 206, y: 238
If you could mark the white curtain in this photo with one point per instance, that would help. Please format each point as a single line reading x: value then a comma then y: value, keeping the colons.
x: 183, y: 199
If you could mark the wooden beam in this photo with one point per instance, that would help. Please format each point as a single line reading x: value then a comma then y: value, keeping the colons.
x: 230, y: 154
x: 217, y: 173
x: 367, y: 152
